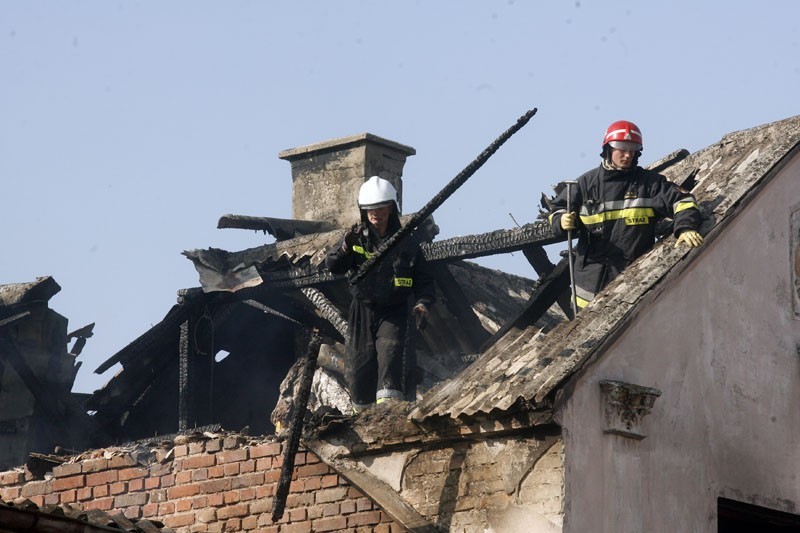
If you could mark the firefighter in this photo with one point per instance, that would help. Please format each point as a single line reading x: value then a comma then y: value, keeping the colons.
x: 615, y: 208
x: 379, y: 309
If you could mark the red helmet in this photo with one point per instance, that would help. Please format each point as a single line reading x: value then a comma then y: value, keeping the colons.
x: 622, y: 130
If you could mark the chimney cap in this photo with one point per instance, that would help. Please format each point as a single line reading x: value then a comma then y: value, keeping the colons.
x: 343, y: 143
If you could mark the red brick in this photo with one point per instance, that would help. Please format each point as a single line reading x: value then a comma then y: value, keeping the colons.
x: 363, y: 504
x: 182, y: 491
x: 232, y: 511
x: 265, y: 450
x: 94, y: 465
x: 180, y: 520
x: 231, y: 497
x: 181, y: 506
x: 100, y: 491
x: 364, y: 519
x: 135, y: 485
x: 132, y: 473
x: 198, y: 461
x: 51, y: 499
x: 167, y: 480
x: 69, y: 496
x: 231, y: 442
x: 196, y: 447
x: 213, y: 445
x: 249, y: 523
x: 68, y: 469
x: 311, y: 458
x: 330, y: 524
x: 134, y: 512
x: 101, y: 478
x: 104, y: 504
x: 300, y: 527
x: 73, y: 482
x: 265, y: 491
x: 331, y: 495
x: 149, y: 510
x: 180, y: 450
x: 131, y: 499
x: 233, y: 524
x: 261, y: 506
x: 232, y: 469
x: 264, y: 464
x: 12, y: 478
x: 118, y: 488
x: 199, y: 502
x: 36, y: 488
x: 247, y: 494
x: 312, y: 483
x: 231, y: 456
x: 216, y: 471
x: 183, y: 477
x: 84, y: 494
x: 318, y: 469
x: 201, y: 474
x: 216, y: 485
x: 297, y: 515
x: 166, y: 508
x: 331, y: 509
x: 247, y: 480
x: 206, y: 515
x: 152, y: 483
x: 329, y: 481
x: 216, y: 500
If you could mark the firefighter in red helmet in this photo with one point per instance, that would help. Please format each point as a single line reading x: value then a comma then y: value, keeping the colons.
x: 615, y: 209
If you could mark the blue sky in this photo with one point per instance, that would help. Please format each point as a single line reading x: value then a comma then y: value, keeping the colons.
x: 127, y: 128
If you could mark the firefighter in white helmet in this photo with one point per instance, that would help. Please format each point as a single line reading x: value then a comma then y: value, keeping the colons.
x: 379, y: 310
x: 615, y: 209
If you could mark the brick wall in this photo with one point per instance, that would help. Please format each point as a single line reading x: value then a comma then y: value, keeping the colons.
x: 223, y: 483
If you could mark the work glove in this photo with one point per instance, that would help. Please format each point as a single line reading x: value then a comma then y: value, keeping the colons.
x: 421, y: 315
x: 568, y: 221
x: 689, y: 237
x: 351, y: 237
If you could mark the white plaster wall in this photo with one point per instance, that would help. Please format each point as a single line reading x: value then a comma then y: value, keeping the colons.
x: 722, y: 345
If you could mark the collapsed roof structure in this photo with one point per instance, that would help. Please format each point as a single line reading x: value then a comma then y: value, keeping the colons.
x: 654, y: 398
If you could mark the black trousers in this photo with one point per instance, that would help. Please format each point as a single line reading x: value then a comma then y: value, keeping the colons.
x: 375, y: 352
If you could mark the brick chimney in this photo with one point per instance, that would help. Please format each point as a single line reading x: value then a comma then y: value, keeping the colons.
x: 326, y: 176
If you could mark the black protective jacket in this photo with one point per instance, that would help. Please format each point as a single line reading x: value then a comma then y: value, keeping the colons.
x: 618, y: 213
x: 390, y: 282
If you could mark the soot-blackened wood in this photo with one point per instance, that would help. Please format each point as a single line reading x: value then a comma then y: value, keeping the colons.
x: 543, y: 297
x: 538, y: 259
x: 293, y: 442
x: 459, y: 306
x: 440, y: 198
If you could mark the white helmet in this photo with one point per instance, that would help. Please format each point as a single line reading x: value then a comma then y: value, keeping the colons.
x: 376, y: 192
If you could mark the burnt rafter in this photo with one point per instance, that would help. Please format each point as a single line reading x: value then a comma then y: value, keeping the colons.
x: 280, y: 228
x: 503, y: 241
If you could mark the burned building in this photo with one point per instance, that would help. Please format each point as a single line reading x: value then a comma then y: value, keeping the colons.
x: 38, y: 411
x: 666, y: 404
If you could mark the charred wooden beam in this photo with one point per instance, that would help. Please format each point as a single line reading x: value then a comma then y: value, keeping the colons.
x: 428, y: 209
x: 544, y: 295
x: 280, y: 228
x: 466, y: 247
x: 326, y: 308
x: 293, y: 442
x: 538, y: 259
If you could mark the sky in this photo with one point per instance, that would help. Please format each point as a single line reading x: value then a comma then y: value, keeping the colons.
x: 127, y: 128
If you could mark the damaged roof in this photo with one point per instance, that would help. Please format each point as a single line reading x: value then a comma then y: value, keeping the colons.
x: 527, y: 366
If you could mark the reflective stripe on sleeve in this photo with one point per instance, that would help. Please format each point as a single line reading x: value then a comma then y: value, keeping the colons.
x: 684, y: 204
x: 360, y: 250
x: 636, y: 212
x: 403, y: 282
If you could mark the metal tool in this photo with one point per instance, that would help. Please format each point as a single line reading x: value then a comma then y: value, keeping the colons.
x: 571, y: 258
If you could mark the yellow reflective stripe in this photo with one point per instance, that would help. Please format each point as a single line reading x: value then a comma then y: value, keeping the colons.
x: 362, y: 251
x: 688, y: 204
x: 403, y: 282
x: 581, y: 302
x: 635, y: 212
